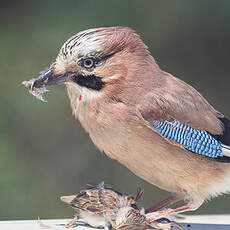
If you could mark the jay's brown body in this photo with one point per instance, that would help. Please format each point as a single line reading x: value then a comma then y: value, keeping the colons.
x: 117, y: 90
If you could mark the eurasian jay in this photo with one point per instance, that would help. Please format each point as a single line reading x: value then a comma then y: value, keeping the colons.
x: 155, y: 124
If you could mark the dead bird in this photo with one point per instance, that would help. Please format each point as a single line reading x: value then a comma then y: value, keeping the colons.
x: 98, y: 205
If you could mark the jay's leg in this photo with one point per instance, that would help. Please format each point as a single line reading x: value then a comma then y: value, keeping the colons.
x: 190, y: 206
x: 164, y: 203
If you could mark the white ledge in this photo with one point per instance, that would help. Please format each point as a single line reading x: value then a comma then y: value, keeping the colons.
x: 193, y: 222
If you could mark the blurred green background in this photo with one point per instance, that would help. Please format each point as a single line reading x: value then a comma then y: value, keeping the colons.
x: 44, y: 152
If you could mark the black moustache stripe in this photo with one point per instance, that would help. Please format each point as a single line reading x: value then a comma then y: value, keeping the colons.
x: 89, y: 81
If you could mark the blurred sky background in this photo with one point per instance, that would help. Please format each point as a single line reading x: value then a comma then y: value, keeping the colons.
x: 44, y: 152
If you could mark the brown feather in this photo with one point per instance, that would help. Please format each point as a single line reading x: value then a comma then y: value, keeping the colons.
x: 175, y: 100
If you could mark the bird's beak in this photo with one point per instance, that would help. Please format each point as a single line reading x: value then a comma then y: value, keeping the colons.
x: 47, y: 78
x: 67, y: 199
x: 37, y: 86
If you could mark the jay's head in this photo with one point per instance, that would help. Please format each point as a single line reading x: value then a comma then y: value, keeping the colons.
x: 98, y: 60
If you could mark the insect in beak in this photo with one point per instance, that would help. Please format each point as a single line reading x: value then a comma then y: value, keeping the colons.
x: 37, y: 86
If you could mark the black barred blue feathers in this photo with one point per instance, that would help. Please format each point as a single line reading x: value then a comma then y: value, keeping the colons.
x: 194, y: 140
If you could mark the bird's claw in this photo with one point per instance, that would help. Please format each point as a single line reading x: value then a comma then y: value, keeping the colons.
x: 153, y: 216
x: 71, y: 224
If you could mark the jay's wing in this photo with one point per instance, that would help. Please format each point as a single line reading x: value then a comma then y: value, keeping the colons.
x: 178, y: 113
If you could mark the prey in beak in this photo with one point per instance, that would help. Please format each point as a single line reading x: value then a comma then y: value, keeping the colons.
x: 37, y: 86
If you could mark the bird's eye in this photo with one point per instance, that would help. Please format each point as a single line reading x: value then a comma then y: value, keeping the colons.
x: 88, y: 63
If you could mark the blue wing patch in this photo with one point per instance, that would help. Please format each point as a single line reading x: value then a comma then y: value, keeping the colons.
x: 194, y: 140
